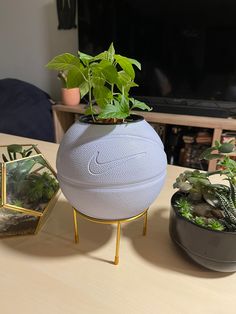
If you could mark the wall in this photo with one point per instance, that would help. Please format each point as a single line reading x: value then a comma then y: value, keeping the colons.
x: 29, y: 39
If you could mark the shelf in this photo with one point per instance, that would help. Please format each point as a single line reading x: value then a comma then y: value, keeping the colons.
x: 64, y: 118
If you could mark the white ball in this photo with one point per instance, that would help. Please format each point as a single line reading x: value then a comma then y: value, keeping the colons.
x: 111, y: 171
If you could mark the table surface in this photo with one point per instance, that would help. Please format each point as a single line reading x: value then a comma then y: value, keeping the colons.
x: 49, y: 273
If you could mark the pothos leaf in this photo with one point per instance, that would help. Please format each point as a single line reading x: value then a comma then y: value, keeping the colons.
x: 63, y: 62
x: 102, y: 95
x: 139, y: 104
x: 113, y: 111
x: 111, y: 53
x: 135, y: 62
x: 85, y: 58
x: 126, y: 65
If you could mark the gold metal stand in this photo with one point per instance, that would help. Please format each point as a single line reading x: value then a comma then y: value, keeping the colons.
x: 117, y: 222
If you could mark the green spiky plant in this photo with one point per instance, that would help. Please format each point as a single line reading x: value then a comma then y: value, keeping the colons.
x: 196, y: 186
x: 107, y: 79
x: 15, y: 149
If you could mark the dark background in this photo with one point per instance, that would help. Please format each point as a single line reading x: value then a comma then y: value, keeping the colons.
x: 187, y: 48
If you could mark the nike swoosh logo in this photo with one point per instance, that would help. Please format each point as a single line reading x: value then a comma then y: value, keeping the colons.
x: 97, y: 167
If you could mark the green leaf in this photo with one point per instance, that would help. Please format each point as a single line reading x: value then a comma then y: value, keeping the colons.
x: 139, y: 104
x: 63, y: 62
x: 98, y: 78
x: 124, y: 82
x: 108, y: 71
x: 207, y: 152
x: 111, y: 53
x: 126, y: 65
x: 101, y: 56
x: 4, y: 158
x: 112, y: 111
x: 102, y: 95
x: 90, y: 111
x: 84, y: 89
x: 196, y: 180
x: 226, y: 148
x: 135, y: 62
x: 14, y: 148
x: 75, y: 78
x: 85, y: 58
x: 213, y: 156
x: 123, y: 103
x: 217, y: 144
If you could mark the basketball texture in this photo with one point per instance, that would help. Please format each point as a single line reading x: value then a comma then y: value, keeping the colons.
x: 111, y: 171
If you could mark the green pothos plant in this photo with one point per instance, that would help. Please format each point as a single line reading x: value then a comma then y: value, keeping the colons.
x: 106, y: 78
x: 196, y: 187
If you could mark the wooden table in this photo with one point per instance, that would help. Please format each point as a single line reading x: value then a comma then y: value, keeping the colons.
x: 49, y: 273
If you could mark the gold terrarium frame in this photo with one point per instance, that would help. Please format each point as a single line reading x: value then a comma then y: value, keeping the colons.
x: 41, y: 215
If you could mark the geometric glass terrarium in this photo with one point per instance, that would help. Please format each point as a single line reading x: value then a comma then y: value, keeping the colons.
x: 29, y: 190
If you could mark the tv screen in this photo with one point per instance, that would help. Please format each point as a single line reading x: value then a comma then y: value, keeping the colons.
x: 187, y: 48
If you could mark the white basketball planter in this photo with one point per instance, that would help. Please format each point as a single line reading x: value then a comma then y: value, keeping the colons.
x: 109, y: 171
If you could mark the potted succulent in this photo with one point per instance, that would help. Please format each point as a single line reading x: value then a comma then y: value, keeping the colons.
x: 111, y: 164
x: 203, y: 214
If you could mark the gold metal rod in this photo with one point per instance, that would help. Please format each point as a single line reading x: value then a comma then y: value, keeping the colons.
x: 4, y: 183
x: 24, y: 210
x: 107, y: 221
x: 145, y: 223
x: 76, y: 226
x: 116, y: 261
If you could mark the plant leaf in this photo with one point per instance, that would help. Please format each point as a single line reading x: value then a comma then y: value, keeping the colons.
x: 14, y: 148
x: 101, y: 56
x: 124, y: 82
x: 102, y: 95
x: 111, y: 53
x: 139, y: 104
x: 213, y: 156
x: 90, y: 111
x: 84, y: 89
x: 123, y: 102
x: 135, y: 62
x: 226, y: 148
x: 113, y: 111
x: 85, y: 58
x: 74, y: 77
x: 63, y: 62
x: 126, y: 65
x: 108, y: 71
x: 207, y: 152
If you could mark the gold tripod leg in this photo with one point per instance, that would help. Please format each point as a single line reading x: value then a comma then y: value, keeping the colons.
x: 76, y: 226
x: 116, y: 261
x: 145, y: 224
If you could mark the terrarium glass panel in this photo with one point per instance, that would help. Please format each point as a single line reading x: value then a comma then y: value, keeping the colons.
x: 13, y: 222
x: 28, y: 191
x: 30, y: 183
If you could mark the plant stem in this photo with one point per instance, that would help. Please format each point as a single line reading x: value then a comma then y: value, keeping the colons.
x: 90, y: 94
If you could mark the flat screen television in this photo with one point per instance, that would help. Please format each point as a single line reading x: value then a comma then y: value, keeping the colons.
x: 187, y: 49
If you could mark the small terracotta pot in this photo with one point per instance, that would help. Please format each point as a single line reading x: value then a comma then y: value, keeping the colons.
x: 70, y: 96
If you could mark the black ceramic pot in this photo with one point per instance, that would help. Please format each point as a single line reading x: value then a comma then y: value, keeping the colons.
x: 215, y: 250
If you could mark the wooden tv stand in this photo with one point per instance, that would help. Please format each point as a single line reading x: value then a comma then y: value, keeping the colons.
x: 64, y: 117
